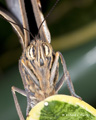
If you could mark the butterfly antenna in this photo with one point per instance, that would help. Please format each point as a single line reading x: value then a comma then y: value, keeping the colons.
x: 21, y: 26
x: 48, y: 15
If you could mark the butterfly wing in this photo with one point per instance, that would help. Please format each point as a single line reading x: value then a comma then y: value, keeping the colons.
x: 44, y: 32
x: 9, y: 17
x: 17, y: 8
x: 14, y: 7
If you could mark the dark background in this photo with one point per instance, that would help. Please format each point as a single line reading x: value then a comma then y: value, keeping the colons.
x: 72, y: 25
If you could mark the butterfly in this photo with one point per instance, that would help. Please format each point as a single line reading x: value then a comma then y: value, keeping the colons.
x: 38, y: 64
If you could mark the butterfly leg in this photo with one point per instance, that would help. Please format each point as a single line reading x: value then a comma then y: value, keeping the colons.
x: 65, y: 77
x: 25, y: 72
x: 22, y: 92
x: 54, y: 68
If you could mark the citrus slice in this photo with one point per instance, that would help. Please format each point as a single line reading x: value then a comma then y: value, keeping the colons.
x: 62, y: 107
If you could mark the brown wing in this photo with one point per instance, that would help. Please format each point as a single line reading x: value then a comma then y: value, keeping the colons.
x: 17, y: 7
x: 44, y: 32
x: 9, y: 17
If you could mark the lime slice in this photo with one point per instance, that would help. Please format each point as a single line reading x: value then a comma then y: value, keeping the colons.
x: 62, y: 107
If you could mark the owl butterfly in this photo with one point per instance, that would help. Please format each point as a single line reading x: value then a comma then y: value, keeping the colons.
x: 38, y: 64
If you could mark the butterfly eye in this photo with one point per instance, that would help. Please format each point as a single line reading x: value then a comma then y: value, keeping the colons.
x: 31, y: 52
x: 46, y: 49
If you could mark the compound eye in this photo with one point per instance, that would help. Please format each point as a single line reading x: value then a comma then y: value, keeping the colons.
x: 31, y: 52
x: 47, y: 50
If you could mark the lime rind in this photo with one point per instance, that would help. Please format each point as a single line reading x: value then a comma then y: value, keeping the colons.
x: 57, y: 110
x: 74, y: 101
x: 35, y: 113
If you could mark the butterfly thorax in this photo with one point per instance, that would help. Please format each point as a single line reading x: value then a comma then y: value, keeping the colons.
x: 38, y: 58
